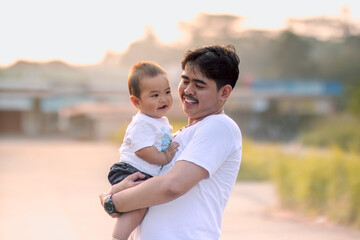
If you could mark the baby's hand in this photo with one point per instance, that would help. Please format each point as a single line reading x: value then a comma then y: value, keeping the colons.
x: 170, y: 151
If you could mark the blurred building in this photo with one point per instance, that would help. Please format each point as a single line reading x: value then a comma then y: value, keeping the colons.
x: 277, y: 109
x: 81, y: 111
x: 264, y: 108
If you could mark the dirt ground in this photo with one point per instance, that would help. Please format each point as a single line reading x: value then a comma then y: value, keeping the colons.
x: 49, y: 190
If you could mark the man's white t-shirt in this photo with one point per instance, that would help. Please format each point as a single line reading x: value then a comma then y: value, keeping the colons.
x: 215, y: 144
x: 145, y: 131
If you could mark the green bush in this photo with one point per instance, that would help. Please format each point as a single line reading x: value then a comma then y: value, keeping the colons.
x: 257, y: 161
x: 321, y: 182
x: 311, y: 180
x: 342, y: 131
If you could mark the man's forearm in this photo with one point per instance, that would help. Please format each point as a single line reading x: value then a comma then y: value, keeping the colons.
x: 152, y: 192
x: 161, y: 189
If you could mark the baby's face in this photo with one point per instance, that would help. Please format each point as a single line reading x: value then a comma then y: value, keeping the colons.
x: 155, y: 97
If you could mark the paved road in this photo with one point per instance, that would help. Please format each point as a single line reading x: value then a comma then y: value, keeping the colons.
x: 49, y: 188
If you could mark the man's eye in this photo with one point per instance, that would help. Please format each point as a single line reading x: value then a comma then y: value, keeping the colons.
x: 200, y: 87
x: 185, y: 82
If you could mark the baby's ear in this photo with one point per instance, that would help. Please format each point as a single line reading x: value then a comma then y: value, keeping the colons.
x: 135, y: 101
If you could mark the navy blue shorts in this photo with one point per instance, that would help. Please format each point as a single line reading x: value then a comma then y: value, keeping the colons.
x: 121, y: 170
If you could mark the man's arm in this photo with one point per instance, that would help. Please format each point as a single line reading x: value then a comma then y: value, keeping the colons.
x: 161, y: 189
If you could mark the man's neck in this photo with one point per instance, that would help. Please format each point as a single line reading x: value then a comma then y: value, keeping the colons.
x: 193, y: 121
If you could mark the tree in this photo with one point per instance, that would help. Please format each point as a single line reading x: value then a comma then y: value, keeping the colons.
x: 292, y: 56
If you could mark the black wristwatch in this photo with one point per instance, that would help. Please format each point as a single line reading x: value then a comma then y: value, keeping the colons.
x: 109, y: 205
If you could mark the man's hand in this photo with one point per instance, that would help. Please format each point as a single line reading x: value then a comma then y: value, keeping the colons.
x: 102, y: 197
x: 128, y: 182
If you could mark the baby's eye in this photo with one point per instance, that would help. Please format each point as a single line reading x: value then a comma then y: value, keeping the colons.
x: 168, y: 92
x: 155, y: 95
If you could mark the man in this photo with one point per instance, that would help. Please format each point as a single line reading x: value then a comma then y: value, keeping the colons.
x: 187, y: 201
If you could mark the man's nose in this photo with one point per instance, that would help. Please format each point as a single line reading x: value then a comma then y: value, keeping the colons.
x: 189, y: 90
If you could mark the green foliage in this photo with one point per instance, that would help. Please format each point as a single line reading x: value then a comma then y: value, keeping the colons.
x: 354, y: 102
x: 254, y: 165
x: 342, y: 131
x: 321, y: 183
x: 287, y: 46
x: 313, y: 181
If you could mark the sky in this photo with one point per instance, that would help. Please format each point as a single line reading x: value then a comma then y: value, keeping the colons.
x: 81, y: 32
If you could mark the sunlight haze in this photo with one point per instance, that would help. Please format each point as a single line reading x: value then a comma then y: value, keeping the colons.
x: 80, y: 32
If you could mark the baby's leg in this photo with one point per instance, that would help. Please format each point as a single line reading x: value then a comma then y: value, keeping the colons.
x: 127, y: 222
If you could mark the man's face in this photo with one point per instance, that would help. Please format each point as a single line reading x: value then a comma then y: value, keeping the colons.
x: 199, y: 95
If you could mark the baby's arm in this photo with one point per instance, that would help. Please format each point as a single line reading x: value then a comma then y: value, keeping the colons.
x: 153, y: 155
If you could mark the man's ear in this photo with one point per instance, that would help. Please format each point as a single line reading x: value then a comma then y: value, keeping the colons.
x: 135, y: 101
x: 225, y: 92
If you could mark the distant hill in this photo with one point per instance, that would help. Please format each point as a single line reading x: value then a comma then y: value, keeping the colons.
x: 114, y: 67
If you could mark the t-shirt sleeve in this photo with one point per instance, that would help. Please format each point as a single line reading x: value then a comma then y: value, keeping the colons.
x: 142, y: 135
x: 209, y: 147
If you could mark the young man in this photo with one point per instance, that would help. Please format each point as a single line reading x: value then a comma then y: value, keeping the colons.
x: 187, y: 201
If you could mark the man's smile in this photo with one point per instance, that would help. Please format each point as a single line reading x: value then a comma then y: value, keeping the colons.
x: 189, y: 99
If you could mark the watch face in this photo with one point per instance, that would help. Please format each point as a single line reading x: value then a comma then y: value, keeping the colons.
x: 109, y: 206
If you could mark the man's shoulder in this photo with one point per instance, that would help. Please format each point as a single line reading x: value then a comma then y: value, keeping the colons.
x: 220, y: 119
x: 222, y: 124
